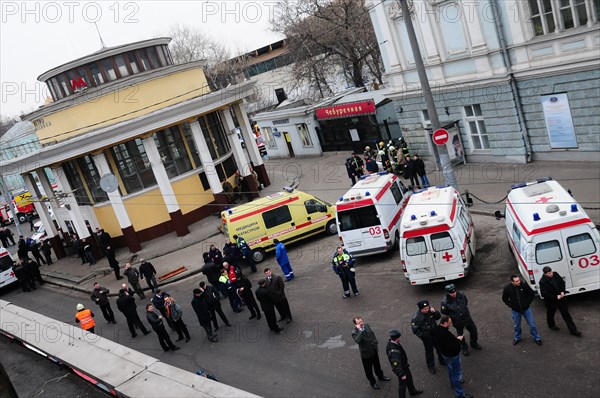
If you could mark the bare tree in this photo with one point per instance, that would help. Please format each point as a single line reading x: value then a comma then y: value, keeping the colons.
x: 326, y: 37
x: 6, y: 123
x: 190, y: 44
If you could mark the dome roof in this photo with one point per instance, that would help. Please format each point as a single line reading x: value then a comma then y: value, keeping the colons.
x: 19, y: 130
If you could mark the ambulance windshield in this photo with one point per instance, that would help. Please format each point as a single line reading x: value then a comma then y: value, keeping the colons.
x: 363, y: 217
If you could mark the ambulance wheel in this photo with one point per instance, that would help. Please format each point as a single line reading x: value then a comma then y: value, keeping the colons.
x: 331, y: 227
x: 258, y: 255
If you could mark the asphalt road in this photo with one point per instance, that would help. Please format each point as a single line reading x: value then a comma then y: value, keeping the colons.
x: 316, y: 356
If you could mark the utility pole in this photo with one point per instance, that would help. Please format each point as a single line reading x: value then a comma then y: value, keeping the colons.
x: 447, y: 169
x: 8, y: 199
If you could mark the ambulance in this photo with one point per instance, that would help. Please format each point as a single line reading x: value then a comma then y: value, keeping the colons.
x: 437, y: 237
x: 368, y: 214
x: 289, y: 216
x: 7, y: 276
x: 546, y: 226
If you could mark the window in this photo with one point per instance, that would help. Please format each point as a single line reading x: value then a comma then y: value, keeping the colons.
x: 416, y: 246
x: 268, y: 134
x: 189, y: 137
x: 396, y: 193
x: 109, y: 69
x: 76, y: 183
x: 153, y: 57
x: 92, y: 178
x: 581, y: 245
x: 133, y: 63
x: 314, y: 206
x: 133, y: 165
x: 161, y: 56
x: 548, y: 16
x: 441, y: 242
x: 121, y: 65
x: 304, y: 135
x: 173, y: 152
x: 143, y: 59
x: 516, y: 235
x: 478, y: 133
x: 363, y: 217
x: 96, y: 74
x: 462, y: 218
x: 548, y: 252
x: 278, y: 216
x: 214, y: 134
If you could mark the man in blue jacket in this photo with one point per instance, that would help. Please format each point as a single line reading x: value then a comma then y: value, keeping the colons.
x: 283, y: 260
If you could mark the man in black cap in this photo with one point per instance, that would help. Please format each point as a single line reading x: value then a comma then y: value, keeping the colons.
x: 400, y: 366
x: 369, y: 354
x: 423, y: 323
x: 552, y: 289
x: 455, y: 306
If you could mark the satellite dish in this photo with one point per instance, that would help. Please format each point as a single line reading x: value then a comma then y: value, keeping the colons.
x: 109, y: 183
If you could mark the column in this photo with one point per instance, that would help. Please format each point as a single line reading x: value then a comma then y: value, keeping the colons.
x: 248, y: 135
x: 164, y: 184
x: 75, y: 215
x: 238, y: 153
x: 209, y: 166
x: 55, y: 237
x: 116, y: 201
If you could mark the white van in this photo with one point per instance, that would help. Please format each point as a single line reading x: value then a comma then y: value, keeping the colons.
x: 547, y: 227
x: 7, y: 276
x: 368, y: 214
x: 438, y: 239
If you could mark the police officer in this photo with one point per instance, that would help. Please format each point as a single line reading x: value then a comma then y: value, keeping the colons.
x: 400, y: 366
x: 343, y: 265
x: 423, y: 323
x: 455, y: 306
x: 246, y: 252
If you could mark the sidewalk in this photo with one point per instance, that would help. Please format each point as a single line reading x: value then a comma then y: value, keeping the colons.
x: 325, y: 177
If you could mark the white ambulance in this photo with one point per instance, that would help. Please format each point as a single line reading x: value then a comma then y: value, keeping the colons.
x: 7, y: 276
x: 438, y: 240
x: 368, y: 214
x: 547, y: 227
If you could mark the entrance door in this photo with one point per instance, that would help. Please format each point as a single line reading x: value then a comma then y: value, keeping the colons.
x: 288, y: 142
x: 582, y: 255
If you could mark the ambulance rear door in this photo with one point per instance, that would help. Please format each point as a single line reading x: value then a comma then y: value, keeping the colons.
x: 360, y: 228
x: 446, y: 253
x: 582, y: 254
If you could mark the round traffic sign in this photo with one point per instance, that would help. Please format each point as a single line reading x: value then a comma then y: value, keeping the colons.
x: 440, y: 137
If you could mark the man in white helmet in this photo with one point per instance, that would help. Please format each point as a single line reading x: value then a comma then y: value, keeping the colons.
x: 85, y: 317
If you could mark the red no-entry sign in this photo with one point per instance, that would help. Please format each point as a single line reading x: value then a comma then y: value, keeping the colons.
x: 440, y: 137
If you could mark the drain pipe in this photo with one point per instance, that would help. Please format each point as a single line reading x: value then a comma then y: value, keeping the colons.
x: 513, y: 85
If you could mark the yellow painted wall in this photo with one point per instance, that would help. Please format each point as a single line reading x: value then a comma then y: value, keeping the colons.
x: 126, y: 103
x: 147, y: 210
x: 190, y: 194
x: 108, y: 220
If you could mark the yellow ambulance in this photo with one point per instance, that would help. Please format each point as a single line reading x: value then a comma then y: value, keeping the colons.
x: 289, y: 216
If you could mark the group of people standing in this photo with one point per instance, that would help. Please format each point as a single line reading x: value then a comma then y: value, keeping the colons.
x: 394, y: 159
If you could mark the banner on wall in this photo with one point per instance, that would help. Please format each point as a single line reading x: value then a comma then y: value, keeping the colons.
x: 559, y: 122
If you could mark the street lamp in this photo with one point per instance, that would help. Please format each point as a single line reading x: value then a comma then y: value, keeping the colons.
x: 447, y: 169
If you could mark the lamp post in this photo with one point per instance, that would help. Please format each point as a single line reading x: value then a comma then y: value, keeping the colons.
x: 447, y: 169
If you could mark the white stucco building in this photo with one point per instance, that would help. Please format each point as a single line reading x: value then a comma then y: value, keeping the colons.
x: 521, y: 77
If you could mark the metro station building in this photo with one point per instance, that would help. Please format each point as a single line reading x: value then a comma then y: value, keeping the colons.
x: 139, y: 146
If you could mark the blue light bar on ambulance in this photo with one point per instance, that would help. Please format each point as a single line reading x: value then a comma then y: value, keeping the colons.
x: 524, y: 184
x: 536, y: 217
x: 367, y: 193
x: 573, y: 208
x: 433, y: 213
x: 413, y: 217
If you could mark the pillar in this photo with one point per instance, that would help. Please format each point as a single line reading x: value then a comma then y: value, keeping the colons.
x: 259, y: 165
x: 166, y: 189
x: 238, y: 152
x: 209, y: 166
x: 116, y: 201
x: 42, y: 210
x: 70, y: 202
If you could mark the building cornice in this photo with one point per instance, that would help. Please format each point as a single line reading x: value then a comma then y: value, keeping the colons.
x: 106, y: 52
x: 124, y: 131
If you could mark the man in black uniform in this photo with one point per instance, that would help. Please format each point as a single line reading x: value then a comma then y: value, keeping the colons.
x: 267, y: 305
x: 400, y: 366
x: 126, y: 304
x: 455, y: 306
x: 211, y: 296
x: 100, y: 296
x: 364, y: 336
x: 423, y: 322
x: 201, y: 309
x: 552, y: 289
